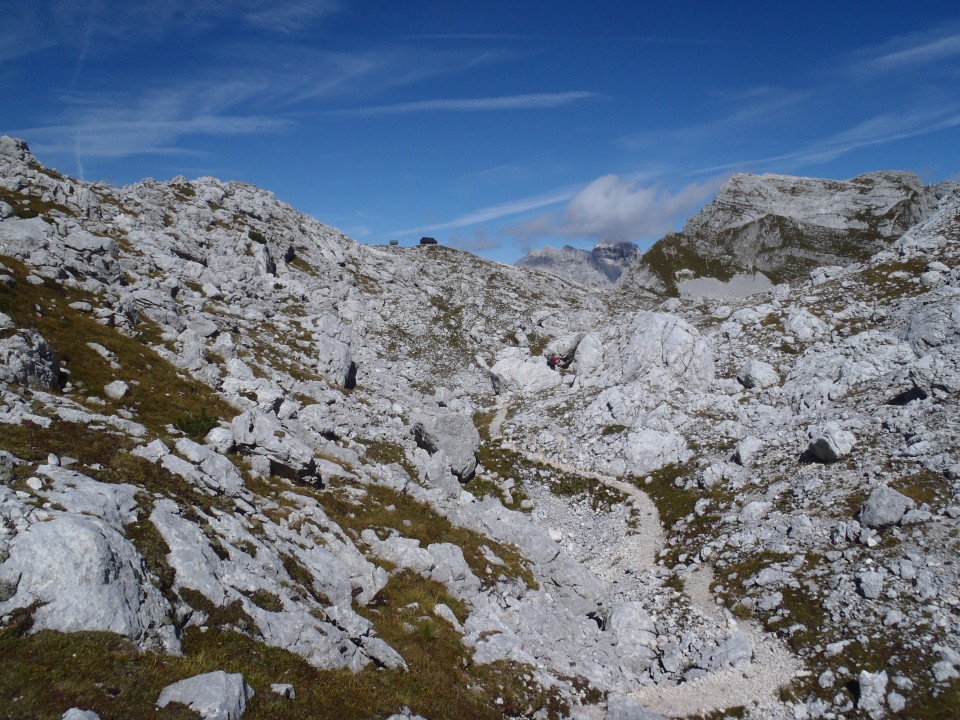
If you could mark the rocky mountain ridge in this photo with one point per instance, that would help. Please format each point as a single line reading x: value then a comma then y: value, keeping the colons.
x: 236, y: 438
x: 783, y: 227
x: 600, y: 267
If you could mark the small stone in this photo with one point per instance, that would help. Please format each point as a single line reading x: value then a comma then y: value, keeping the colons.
x: 893, y: 617
x: 770, y: 601
x: 78, y: 714
x: 116, y: 390
x: 34, y: 483
x: 896, y: 701
x: 284, y: 690
x: 870, y: 583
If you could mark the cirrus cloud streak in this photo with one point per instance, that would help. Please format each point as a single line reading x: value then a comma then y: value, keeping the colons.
x: 529, y: 101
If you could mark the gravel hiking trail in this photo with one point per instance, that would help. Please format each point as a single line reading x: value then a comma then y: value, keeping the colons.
x: 773, y: 666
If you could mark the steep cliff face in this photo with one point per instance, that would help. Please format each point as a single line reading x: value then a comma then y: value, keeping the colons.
x: 600, y: 267
x: 783, y: 227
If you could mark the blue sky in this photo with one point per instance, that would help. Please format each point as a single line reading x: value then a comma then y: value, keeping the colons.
x: 494, y: 126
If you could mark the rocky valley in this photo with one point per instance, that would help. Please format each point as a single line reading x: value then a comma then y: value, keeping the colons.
x: 251, y: 467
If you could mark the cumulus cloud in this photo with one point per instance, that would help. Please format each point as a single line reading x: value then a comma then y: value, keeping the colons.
x: 618, y: 210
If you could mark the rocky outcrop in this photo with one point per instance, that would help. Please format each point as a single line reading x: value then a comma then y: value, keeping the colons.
x: 783, y: 227
x: 27, y: 359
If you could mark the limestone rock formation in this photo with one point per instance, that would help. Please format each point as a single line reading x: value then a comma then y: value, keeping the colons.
x: 781, y: 228
x: 232, y: 437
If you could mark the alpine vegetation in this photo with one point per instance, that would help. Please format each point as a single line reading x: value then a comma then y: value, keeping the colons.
x: 249, y: 467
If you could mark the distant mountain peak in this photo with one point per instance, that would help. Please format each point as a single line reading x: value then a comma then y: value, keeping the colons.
x: 600, y: 267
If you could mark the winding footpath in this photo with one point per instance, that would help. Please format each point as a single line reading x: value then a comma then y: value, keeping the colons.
x: 773, y: 666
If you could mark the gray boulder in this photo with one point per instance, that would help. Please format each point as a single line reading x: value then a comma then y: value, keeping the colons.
x: 116, y: 390
x: 757, y: 374
x: 831, y: 442
x: 27, y: 359
x: 82, y: 574
x: 454, y: 435
x: 884, y: 507
x: 589, y: 355
x: 646, y: 450
x: 934, y: 325
x: 660, y: 347
x: 735, y: 649
x: 335, y: 362
x: 215, y: 695
x: 747, y: 450
x: 262, y: 434
x: 804, y: 326
x: 873, y: 687
x: 78, y: 714
x: 870, y: 584
x: 632, y: 627
x: 516, y: 372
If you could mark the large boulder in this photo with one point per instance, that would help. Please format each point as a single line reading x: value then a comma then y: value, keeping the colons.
x: 214, y: 695
x: 936, y: 324
x: 589, y: 354
x: 516, y: 372
x: 334, y: 359
x: 262, y: 434
x: 82, y: 574
x: 884, y: 507
x: 831, y: 442
x: 27, y: 359
x: 661, y: 347
x: 647, y: 450
x: 453, y: 434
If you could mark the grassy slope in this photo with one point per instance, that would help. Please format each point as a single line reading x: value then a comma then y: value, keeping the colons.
x: 43, y: 674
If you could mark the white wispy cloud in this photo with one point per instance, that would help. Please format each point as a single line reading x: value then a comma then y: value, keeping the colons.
x: 497, y: 212
x: 154, y: 122
x: 530, y: 101
x: 290, y: 17
x: 753, y: 106
x: 617, y: 210
x: 878, y: 130
x: 911, y: 52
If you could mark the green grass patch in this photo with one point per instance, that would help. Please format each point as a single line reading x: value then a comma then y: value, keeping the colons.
x: 196, y: 425
x: 419, y: 521
x: 614, y: 429
x: 673, y: 502
x: 44, y: 674
x: 33, y: 205
x: 158, y: 394
x: 925, y: 486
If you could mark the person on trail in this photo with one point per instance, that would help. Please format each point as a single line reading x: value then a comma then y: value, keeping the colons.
x: 552, y: 362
